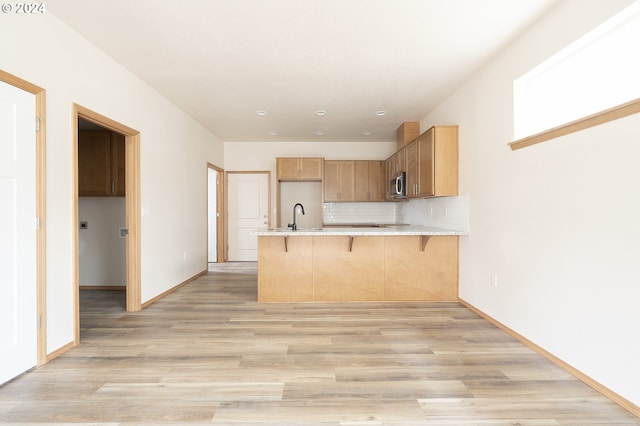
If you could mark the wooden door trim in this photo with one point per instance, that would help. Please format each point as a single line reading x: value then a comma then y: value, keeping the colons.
x: 220, y: 204
x: 132, y: 209
x: 41, y: 211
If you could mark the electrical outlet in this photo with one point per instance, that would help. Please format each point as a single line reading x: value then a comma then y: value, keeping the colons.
x: 494, y: 280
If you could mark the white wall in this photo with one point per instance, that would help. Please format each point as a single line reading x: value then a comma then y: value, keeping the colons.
x: 174, y: 153
x: 101, y: 249
x: 557, y: 222
x: 309, y: 194
x: 246, y: 156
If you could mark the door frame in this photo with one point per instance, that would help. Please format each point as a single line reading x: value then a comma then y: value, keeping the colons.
x: 41, y: 200
x: 220, y: 209
x: 132, y: 209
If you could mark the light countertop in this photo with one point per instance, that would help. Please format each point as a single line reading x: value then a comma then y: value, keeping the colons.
x: 387, y: 230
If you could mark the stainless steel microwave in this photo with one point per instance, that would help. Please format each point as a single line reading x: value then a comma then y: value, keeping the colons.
x: 397, y: 186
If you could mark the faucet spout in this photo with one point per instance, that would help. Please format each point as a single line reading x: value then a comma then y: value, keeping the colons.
x: 293, y: 225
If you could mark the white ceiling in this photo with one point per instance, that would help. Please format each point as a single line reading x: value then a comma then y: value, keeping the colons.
x: 222, y: 60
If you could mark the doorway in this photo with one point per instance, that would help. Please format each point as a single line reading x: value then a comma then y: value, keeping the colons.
x: 215, y: 216
x: 101, y: 211
x: 131, y: 232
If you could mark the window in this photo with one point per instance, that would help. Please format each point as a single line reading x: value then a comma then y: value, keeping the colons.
x: 597, y: 72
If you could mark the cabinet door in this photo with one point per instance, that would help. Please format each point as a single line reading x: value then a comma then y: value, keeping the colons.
x: 394, y: 165
x: 339, y: 180
x: 299, y: 168
x: 401, y: 164
x: 347, y: 180
x: 311, y: 168
x: 369, y: 181
x: 361, y: 173
x: 330, y: 181
x: 425, y: 154
x: 287, y: 168
x: 377, y: 181
x: 411, y: 155
x: 94, y: 151
x: 117, y: 165
x: 388, y: 171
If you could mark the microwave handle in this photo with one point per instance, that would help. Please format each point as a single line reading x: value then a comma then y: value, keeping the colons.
x: 398, y: 186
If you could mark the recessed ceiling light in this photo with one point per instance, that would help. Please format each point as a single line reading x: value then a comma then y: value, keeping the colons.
x: 319, y: 132
x: 321, y: 112
x: 367, y: 133
x: 261, y: 112
x: 273, y: 133
x: 381, y: 113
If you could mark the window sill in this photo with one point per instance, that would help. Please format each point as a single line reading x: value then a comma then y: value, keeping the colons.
x: 596, y: 119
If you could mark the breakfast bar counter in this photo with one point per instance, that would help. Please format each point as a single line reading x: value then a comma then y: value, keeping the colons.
x: 359, y: 230
x: 377, y: 263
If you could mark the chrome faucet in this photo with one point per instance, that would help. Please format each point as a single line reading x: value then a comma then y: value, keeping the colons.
x: 293, y: 225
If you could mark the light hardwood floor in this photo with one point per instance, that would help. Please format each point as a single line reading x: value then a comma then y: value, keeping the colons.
x: 208, y: 353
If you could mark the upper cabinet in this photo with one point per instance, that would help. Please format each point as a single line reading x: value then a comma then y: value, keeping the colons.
x: 396, y: 163
x: 299, y: 168
x: 432, y: 163
x: 339, y: 180
x: 407, y: 133
x: 370, y: 180
x: 354, y: 180
x: 101, y: 163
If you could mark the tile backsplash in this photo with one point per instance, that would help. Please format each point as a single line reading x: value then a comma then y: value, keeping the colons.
x: 352, y: 213
x: 439, y: 212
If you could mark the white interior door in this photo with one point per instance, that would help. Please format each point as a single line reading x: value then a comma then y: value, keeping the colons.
x: 18, y: 306
x: 212, y: 214
x: 248, y: 212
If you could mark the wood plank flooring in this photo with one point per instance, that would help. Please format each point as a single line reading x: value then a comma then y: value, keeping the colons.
x: 209, y: 354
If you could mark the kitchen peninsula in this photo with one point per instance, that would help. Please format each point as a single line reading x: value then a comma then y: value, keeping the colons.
x: 391, y: 262
x: 388, y: 263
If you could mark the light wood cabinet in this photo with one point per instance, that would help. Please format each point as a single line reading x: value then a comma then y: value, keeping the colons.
x: 432, y: 163
x: 299, y: 168
x: 339, y: 180
x: 101, y: 163
x: 407, y: 132
x: 393, y: 166
x: 370, y: 178
x: 411, y: 168
x: 425, y: 183
x: 397, y: 163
